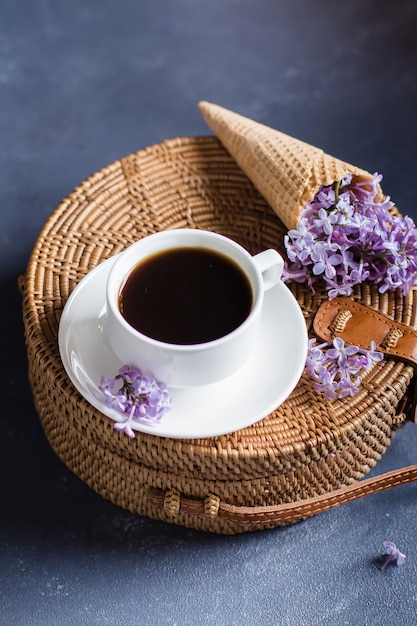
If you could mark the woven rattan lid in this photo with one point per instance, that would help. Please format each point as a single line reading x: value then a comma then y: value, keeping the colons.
x: 194, y: 182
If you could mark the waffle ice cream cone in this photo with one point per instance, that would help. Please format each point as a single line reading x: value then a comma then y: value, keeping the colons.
x: 287, y: 172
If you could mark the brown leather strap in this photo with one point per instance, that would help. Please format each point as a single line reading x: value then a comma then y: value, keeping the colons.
x: 360, y: 325
x: 293, y: 511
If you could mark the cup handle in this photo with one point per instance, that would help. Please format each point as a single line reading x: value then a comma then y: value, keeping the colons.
x: 270, y: 264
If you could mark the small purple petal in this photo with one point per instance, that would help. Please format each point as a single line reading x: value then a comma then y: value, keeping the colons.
x: 393, y: 554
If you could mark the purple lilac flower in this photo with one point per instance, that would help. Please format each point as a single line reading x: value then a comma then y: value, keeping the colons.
x: 345, y: 236
x: 335, y: 368
x: 393, y: 554
x: 140, y: 398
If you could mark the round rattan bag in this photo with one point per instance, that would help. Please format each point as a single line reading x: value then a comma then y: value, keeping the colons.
x: 304, y: 457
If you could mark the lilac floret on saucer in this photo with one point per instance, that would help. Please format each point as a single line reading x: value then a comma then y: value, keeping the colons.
x: 138, y: 397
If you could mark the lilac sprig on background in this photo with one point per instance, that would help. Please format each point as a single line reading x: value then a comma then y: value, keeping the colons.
x: 138, y: 397
x: 393, y: 554
x: 337, y: 368
x: 345, y: 236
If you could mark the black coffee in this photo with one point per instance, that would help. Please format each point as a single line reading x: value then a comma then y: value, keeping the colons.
x: 186, y: 296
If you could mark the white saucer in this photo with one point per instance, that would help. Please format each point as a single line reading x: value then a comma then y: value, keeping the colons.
x: 242, y: 399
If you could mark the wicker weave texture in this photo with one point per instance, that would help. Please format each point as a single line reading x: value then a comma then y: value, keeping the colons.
x: 306, y: 447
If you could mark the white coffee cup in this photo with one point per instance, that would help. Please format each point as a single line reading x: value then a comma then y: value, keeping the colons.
x: 189, y: 365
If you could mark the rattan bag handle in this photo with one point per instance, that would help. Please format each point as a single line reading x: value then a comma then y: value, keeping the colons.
x: 280, y: 514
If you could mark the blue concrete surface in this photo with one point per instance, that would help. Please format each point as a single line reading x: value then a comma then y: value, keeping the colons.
x: 84, y: 83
